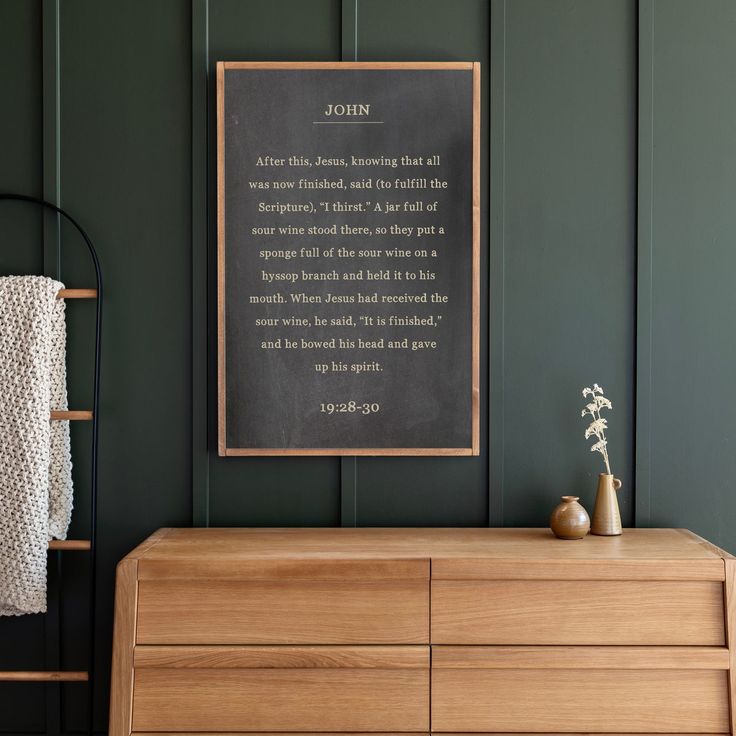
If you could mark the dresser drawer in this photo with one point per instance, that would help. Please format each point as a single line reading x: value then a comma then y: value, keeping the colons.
x: 316, y: 689
x: 588, y: 689
x: 283, y: 612
x: 577, y: 612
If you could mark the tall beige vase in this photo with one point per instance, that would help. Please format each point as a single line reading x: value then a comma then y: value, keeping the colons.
x: 606, y: 517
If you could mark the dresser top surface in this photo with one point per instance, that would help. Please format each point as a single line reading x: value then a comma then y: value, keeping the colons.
x: 419, y: 543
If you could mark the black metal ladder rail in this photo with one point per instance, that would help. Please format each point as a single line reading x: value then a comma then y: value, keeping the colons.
x: 89, y: 545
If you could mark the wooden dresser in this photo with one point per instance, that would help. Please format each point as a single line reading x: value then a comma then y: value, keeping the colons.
x: 423, y: 630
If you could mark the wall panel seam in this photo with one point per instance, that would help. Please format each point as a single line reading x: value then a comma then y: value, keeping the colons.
x: 644, y: 261
x: 199, y: 256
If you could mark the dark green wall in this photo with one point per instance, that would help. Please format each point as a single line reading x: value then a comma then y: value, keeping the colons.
x: 608, y: 228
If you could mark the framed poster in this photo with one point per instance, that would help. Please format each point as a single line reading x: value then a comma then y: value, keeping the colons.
x: 348, y: 258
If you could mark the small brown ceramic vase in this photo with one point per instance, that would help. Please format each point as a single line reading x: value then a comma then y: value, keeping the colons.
x: 570, y: 520
x: 606, y: 516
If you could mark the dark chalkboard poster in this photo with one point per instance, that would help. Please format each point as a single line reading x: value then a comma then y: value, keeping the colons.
x: 348, y: 258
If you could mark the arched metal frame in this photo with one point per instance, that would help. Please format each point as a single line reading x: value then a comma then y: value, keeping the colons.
x: 95, y: 434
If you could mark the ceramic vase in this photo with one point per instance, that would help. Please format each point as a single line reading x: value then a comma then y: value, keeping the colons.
x: 606, y: 516
x: 569, y: 520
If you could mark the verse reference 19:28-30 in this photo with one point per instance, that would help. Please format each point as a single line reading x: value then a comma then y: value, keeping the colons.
x: 349, y: 407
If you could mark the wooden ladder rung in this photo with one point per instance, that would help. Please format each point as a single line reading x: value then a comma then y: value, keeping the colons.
x: 77, y: 294
x: 70, y: 544
x: 44, y: 676
x: 74, y: 416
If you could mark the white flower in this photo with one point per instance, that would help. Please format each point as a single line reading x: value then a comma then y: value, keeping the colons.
x: 599, y: 446
x: 596, y: 428
x: 603, y: 402
x: 599, y: 425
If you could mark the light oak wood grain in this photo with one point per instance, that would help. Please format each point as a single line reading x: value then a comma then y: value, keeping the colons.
x: 76, y: 294
x: 552, y: 569
x: 673, y: 701
x: 285, y: 569
x: 73, y: 416
x: 587, y: 657
x: 475, y: 367
x: 221, y: 270
x: 74, y: 545
x: 529, y: 733
x: 462, y: 65
x: 281, y: 733
x: 281, y: 700
x: 121, y: 690
x: 506, y: 733
x: 446, y: 547
x: 730, y: 603
x: 283, y: 612
x: 282, y: 657
x: 43, y: 676
x: 659, y: 594
x: 577, y: 612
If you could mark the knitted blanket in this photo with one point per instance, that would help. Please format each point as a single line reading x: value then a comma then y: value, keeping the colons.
x: 35, y: 456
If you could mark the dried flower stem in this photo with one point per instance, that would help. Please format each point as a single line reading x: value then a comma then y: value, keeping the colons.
x: 599, y: 425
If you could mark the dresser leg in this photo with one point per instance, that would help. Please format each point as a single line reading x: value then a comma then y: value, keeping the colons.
x: 730, y: 588
x: 121, y: 689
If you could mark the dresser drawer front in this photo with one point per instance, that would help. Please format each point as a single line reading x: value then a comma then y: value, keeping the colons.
x: 586, y: 700
x: 283, y: 612
x: 577, y: 612
x: 281, y: 700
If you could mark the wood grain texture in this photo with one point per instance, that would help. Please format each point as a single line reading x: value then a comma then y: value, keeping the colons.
x: 283, y: 657
x: 149, y: 543
x: 281, y: 700
x: 283, y: 612
x: 121, y: 689
x: 285, y: 569
x: 577, y: 612
x: 268, y: 733
x: 43, y: 676
x: 526, y: 733
x: 221, y: 413
x: 77, y: 294
x: 675, y: 701
x: 460, y: 65
x: 449, y: 549
x: 350, y: 451
x: 552, y: 569
x: 587, y: 657
x: 74, y: 416
x: 475, y: 369
x: 730, y: 603
x: 78, y: 545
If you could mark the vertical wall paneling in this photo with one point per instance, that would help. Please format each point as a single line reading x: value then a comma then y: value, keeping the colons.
x: 349, y: 34
x: 51, y: 132
x: 569, y: 248
x: 412, y: 491
x: 269, y: 491
x: 693, y: 261
x: 496, y: 228
x: 349, y: 465
x: 22, y: 705
x: 644, y: 264
x: 200, y: 234
x: 126, y: 148
x: 51, y: 41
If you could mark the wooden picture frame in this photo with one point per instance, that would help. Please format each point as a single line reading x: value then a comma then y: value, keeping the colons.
x: 473, y: 448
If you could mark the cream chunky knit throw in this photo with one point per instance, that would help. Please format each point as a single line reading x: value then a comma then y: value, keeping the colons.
x: 35, y: 457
